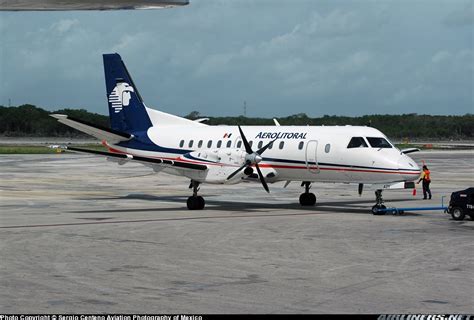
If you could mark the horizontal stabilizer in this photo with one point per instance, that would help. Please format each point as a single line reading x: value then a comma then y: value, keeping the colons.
x: 99, y: 132
x: 156, y: 161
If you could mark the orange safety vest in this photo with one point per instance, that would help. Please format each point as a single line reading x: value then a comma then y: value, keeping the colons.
x: 426, y: 175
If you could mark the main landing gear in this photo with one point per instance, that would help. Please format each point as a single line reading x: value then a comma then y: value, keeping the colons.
x: 378, y: 204
x: 195, y: 202
x: 307, y: 198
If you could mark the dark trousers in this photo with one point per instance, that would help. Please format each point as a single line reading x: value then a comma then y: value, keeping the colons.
x: 426, y: 189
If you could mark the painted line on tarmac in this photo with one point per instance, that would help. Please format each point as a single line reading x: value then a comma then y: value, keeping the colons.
x: 157, y: 220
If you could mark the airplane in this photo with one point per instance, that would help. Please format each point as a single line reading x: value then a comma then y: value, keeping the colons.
x: 233, y: 154
x: 61, y: 5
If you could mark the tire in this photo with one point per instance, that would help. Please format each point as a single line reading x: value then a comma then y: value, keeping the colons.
x: 311, y: 199
x: 307, y: 199
x: 196, y: 203
x: 303, y: 199
x: 457, y: 213
x: 201, y: 203
x: 191, y: 203
x: 375, y: 211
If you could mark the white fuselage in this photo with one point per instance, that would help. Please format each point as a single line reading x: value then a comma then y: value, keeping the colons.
x: 299, y: 153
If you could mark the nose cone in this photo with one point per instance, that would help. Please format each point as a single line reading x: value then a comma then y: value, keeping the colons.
x: 408, y: 168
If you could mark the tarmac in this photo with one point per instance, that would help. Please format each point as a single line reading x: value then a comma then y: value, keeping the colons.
x: 79, y: 234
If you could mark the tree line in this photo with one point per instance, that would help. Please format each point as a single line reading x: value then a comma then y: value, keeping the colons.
x: 29, y: 120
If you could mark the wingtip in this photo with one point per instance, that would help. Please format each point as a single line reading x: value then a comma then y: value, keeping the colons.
x: 58, y: 116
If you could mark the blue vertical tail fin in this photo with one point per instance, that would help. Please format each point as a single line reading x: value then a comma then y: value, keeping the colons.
x: 126, y: 108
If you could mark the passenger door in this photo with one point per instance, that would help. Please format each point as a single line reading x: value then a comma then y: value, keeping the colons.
x: 312, y: 156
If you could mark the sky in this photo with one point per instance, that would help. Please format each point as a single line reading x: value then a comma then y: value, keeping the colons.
x: 281, y: 57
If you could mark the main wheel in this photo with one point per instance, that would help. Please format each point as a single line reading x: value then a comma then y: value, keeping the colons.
x: 302, y: 199
x: 201, y: 202
x: 191, y: 203
x: 311, y: 199
x: 307, y: 199
x: 457, y: 214
x: 195, y: 203
x: 376, y: 212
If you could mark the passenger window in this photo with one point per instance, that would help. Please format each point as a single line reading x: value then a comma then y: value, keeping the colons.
x: 270, y: 145
x: 250, y: 143
x: 282, y: 144
x: 190, y: 144
x: 379, y: 143
x: 260, y: 144
x: 300, y: 145
x: 209, y: 144
x: 219, y: 143
x: 327, y: 148
x: 181, y: 143
x: 229, y: 143
x: 357, y: 142
x: 200, y: 144
x: 239, y: 144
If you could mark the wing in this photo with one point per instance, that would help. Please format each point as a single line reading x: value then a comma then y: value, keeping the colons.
x: 409, y: 150
x: 53, y: 5
x: 164, y: 163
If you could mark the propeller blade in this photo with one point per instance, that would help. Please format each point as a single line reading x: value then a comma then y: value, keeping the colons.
x: 265, y: 147
x: 248, y: 149
x: 237, y: 171
x: 264, y: 183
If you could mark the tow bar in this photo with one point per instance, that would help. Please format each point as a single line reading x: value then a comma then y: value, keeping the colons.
x: 398, y: 211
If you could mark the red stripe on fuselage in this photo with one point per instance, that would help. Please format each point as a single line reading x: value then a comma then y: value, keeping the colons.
x: 334, y: 169
x: 278, y: 166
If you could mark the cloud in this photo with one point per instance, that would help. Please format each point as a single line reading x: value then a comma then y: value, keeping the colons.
x: 443, y: 80
x: 461, y: 16
x: 337, y: 23
x: 64, y: 25
x: 217, y: 63
x: 343, y: 57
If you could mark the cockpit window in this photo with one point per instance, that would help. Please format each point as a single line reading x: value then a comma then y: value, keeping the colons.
x: 379, y: 143
x: 357, y: 142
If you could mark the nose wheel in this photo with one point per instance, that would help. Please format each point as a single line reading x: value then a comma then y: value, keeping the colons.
x: 195, y: 202
x: 307, y: 198
x: 378, y: 204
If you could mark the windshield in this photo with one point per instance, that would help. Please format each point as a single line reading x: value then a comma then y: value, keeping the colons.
x: 357, y: 142
x: 379, y: 143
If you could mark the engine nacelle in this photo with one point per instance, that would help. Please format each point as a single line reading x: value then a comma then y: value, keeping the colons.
x: 221, y: 163
x: 230, y: 157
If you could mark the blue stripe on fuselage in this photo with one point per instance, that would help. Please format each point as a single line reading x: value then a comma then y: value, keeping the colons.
x: 141, y: 141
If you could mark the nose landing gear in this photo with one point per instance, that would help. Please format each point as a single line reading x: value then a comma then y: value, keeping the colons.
x: 307, y: 198
x: 378, y: 204
x: 195, y: 202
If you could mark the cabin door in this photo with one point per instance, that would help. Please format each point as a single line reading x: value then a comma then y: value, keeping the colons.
x: 312, y: 156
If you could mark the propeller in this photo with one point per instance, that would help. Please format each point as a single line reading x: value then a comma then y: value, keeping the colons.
x: 252, y: 158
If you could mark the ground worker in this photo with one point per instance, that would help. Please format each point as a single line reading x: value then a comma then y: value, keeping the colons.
x: 425, y: 177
